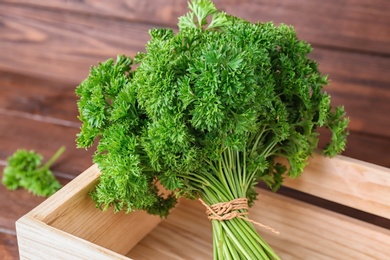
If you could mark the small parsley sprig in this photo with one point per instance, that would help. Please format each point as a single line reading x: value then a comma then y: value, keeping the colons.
x: 25, y: 170
x: 206, y: 112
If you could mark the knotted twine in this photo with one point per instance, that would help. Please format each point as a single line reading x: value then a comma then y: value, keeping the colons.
x: 237, y: 208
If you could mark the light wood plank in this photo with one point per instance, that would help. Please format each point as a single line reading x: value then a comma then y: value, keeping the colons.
x: 37, y: 240
x: 306, y: 232
x: 346, y: 181
x: 313, y: 233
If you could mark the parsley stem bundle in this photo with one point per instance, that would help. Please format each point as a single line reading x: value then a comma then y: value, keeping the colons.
x: 235, y: 238
x: 205, y: 112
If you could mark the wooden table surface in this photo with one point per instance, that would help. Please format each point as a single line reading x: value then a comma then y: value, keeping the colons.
x: 46, y: 49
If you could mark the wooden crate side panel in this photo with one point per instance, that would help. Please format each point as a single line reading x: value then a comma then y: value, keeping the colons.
x: 347, y: 181
x: 36, y: 240
x: 75, y: 191
x: 72, y: 210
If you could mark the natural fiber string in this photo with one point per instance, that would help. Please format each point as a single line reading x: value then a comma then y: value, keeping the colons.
x: 237, y: 208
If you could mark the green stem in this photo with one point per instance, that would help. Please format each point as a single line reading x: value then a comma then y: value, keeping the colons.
x: 54, y: 158
x: 252, y: 233
x: 239, y: 240
x: 226, y: 180
x: 259, y: 135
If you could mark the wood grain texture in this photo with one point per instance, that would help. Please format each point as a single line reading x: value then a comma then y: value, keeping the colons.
x: 13, y: 205
x: 368, y: 148
x: 70, y: 214
x: 313, y: 233
x: 45, y: 138
x: 46, y: 99
x: 352, y: 24
x: 348, y: 182
x: 361, y: 83
x: 8, y: 246
x: 39, y: 241
x: 64, y: 45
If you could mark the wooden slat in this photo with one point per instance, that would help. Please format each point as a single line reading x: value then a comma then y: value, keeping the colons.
x: 353, y: 24
x: 358, y: 80
x: 368, y: 148
x: 98, y: 32
x: 16, y: 203
x: 316, y: 233
x: 346, y: 181
x: 45, y: 138
x: 23, y: 94
x: 189, y: 232
x: 13, y: 205
x: 63, y: 45
x: 360, y: 83
x: 8, y: 246
x: 348, y: 24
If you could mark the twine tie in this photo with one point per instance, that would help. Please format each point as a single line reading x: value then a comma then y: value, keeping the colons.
x: 237, y: 208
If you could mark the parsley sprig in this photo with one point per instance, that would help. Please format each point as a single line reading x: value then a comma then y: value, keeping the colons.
x: 25, y: 170
x: 206, y: 112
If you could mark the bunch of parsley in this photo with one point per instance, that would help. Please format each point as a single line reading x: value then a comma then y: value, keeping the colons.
x: 205, y: 112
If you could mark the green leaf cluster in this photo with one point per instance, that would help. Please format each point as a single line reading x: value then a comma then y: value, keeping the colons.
x: 212, y: 105
x: 25, y: 170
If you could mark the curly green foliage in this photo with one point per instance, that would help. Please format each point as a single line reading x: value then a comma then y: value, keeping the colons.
x: 109, y: 111
x: 25, y: 170
x: 212, y: 103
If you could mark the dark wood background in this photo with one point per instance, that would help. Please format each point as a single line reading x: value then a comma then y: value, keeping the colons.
x: 48, y: 46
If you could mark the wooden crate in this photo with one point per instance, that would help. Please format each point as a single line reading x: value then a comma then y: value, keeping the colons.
x: 68, y: 226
